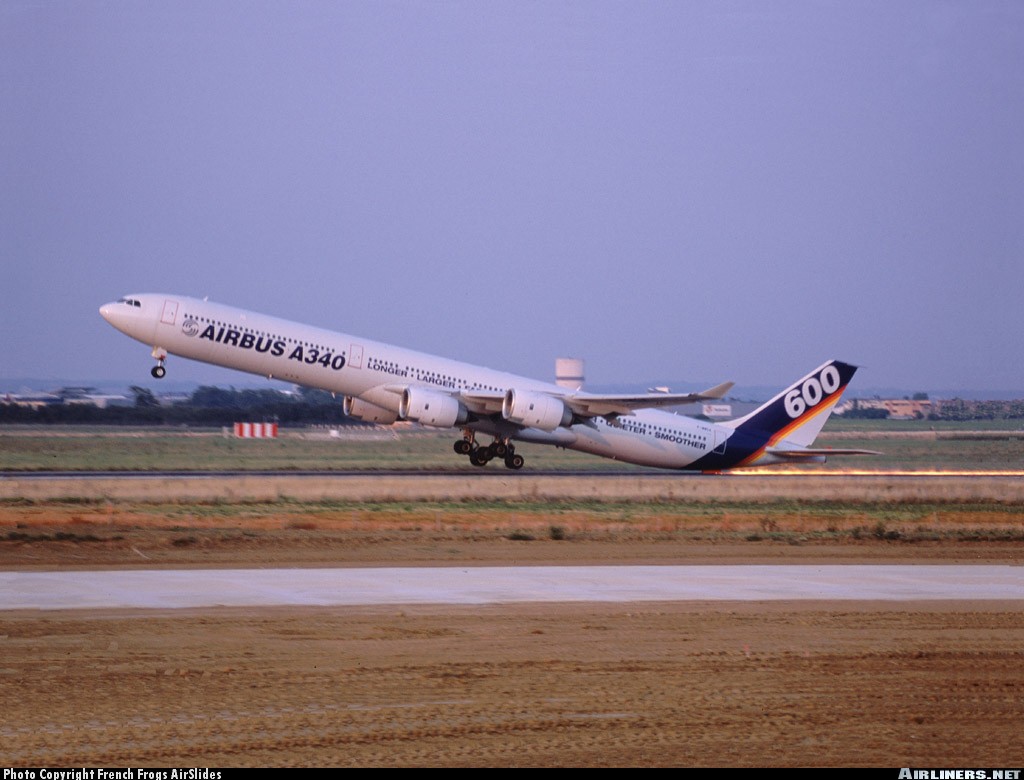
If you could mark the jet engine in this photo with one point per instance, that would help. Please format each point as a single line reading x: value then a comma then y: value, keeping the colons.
x: 428, y: 407
x: 367, y: 412
x: 535, y: 410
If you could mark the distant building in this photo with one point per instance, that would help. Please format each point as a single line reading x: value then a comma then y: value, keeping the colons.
x: 717, y: 411
x: 66, y: 396
x: 32, y: 401
x: 894, y: 408
x: 170, y: 399
x: 89, y: 396
x: 569, y: 373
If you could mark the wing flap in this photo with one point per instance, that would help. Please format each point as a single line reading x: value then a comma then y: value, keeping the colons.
x: 481, y: 402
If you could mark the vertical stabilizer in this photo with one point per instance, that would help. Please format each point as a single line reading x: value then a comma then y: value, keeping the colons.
x: 796, y: 416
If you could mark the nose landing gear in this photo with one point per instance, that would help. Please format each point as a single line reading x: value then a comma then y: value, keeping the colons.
x: 158, y: 371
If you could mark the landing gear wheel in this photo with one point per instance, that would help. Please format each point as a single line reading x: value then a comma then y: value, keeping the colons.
x: 479, y: 457
x: 514, y: 462
x: 467, y: 444
x: 159, y: 355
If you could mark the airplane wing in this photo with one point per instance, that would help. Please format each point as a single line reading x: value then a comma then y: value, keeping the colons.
x: 813, y: 452
x: 583, y: 405
x: 596, y: 405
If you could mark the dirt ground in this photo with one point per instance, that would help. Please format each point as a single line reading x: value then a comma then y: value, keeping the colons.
x: 665, y: 684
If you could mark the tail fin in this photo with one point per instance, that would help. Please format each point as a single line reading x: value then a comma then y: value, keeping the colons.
x: 796, y: 416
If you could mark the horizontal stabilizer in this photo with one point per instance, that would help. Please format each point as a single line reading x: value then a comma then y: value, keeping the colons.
x: 814, y: 452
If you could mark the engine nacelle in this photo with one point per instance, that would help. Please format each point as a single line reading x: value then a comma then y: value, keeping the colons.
x: 428, y: 407
x: 535, y: 410
x: 367, y: 412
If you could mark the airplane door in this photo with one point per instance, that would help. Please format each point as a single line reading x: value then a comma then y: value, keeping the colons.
x: 721, y: 437
x: 355, y: 356
x: 170, y: 312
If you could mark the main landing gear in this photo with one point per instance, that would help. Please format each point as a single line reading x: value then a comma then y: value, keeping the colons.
x: 158, y: 371
x: 481, y: 456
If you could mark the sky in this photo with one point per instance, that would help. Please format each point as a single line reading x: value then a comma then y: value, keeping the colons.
x: 671, y: 191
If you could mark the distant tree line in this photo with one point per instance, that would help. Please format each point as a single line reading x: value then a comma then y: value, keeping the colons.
x: 959, y: 409
x: 866, y: 413
x: 207, y: 406
x: 216, y: 406
x: 956, y: 409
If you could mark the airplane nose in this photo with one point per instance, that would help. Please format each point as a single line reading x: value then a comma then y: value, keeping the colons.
x: 117, y: 314
x: 129, y: 317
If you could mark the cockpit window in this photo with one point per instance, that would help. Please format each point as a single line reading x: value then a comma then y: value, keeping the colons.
x: 130, y: 302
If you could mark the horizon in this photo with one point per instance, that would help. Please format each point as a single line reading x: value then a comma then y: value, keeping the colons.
x: 242, y: 381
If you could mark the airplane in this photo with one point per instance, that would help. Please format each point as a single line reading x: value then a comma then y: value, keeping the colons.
x: 380, y: 383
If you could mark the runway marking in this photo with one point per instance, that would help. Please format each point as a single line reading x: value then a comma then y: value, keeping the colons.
x: 178, y: 588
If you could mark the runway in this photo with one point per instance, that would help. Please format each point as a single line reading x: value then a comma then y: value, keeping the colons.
x: 177, y: 589
x: 504, y: 485
x: 633, y: 471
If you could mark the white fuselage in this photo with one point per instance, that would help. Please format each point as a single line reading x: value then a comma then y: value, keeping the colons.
x: 376, y: 373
